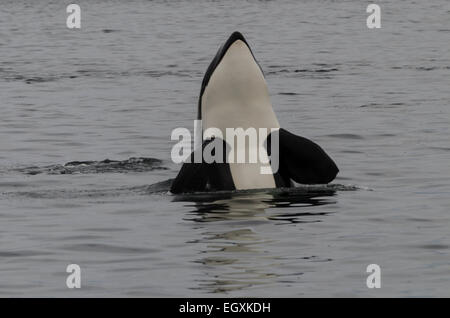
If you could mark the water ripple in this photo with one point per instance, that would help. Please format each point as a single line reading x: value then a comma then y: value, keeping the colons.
x: 105, y: 166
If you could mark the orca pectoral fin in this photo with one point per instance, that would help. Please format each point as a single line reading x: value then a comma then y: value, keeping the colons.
x: 202, y: 176
x: 192, y: 177
x: 303, y: 160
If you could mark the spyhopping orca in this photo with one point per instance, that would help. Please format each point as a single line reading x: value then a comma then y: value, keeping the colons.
x: 234, y: 94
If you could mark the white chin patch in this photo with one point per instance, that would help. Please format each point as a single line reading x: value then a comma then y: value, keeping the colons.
x: 237, y: 97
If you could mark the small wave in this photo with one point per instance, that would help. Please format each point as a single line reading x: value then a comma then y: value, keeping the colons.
x: 159, y: 187
x: 299, y: 189
x: 440, y: 148
x: 22, y: 253
x: 9, y: 75
x: 345, y: 136
x: 109, y: 30
x: 324, y: 70
x: 108, y: 248
x: 105, y: 166
x: 377, y: 105
x: 28, y: 79
x: 314, y: 71
x: 85, y: 193
x: 163, y: 188
x: 425, y: 68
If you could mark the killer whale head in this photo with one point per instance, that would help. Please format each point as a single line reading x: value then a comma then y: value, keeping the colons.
x: 234, y: 92
x: 234, y: 37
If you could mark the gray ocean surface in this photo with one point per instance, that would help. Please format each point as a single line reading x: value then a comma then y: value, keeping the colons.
x: 85, y: 124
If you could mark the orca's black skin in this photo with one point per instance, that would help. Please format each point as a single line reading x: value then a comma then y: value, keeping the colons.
x: 196, y: 177
x: 216, y: 61
x: 300, y: 159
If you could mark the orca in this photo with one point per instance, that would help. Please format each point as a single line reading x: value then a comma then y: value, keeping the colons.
x: 234, y: 94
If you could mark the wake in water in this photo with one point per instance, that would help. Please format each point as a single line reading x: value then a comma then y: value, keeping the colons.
x: 105, y: 166
x: 143, y: 164
x: 163, y: 188
x: 259, y: 205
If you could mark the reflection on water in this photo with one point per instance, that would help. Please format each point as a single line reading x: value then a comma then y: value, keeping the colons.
x: 236, y: 235
x: 252, y: 205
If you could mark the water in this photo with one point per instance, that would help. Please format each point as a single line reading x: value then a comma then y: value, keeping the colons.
x: 377, y: 100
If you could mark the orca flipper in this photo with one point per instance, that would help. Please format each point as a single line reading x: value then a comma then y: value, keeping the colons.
x: 203, y: 176
x: 303, y: 161
x: 192, y: 177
